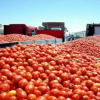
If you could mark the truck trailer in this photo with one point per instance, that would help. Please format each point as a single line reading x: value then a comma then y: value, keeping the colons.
x: 92, y: 29
x: 19, y: 29
x: 56, y: 29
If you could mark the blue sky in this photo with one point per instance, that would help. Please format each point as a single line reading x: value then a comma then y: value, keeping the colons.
x: 75, y: 13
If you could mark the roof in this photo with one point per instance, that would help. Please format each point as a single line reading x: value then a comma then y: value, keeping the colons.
x: 50, y: 25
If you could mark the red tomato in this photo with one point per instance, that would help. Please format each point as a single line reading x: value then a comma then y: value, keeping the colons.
x: 28, y: 76
x: 57, y: 86
x: 66, y: 84
x: 22, y: 83
x: 64, y: 76
x: 75, y: 97
x: 45, y: 65
x: 43, y: 89
x: 3, y: 78
x: 89, y: 83
x: 43, y: 76
x: 4, y: 96
x: 55, y: 92
x: 53, y: 82
x: 79, y: 92
x: 94, y: 89
x: 52, y: 98
x: 29, y: 88
x: 9, y: 75
x: 4, y: 87
x: 61, y: 98
x: 21, y: 95
x: 17, y: 78
x: 85, y: 97
x: 37, y: 93
x: 31, y: 97
x: 41, y: 98
x: 76, y: 81
x: 12, y: 98
x: 35, y: 75
x: 64, y: 93
x: 52, y: 76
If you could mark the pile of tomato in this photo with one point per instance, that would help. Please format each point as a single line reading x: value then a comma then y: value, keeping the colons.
x: 48, y: 72
x: 19, y: 37
x: 89, y: 45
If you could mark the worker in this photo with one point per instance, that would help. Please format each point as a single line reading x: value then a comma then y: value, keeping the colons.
x: 33, y: 33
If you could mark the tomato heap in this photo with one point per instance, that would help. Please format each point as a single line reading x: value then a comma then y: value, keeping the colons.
x: 20, y: 37
x: 89, y: 45
x: 48, y: 72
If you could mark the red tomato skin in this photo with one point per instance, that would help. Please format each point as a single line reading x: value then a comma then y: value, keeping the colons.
x: 4, y: 96
x: 21, y: 95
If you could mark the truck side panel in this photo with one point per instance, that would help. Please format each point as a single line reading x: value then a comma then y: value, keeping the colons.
x: 55, y: 33
x: 18, y: 29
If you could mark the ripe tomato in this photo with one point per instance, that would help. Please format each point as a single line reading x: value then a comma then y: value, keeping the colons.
x: 41, y: 98
x: 64, y: 93
x: 55, y: 92
x: 66, y: 84
x: 76, y: 81
x: 4, y: 96
x: 17, y: 78
x: 4, y: 87
x: 86, y: 97
x: 40, y: 69
x: 28, y: 76
x: 9, y: 75
x: 35, y: 75
x: 52, y: 98
x: 12, y: 98
x: 22, y: 83
x: 53, y: 82
x: 52, y: 76
x: 43, y: 76
x: 89, y: 83
x: 61, y: 98
x: 52, y: 63
x: 43, y: 89
x: 45, y: 65
x: 3, y: 78
x: 29, y: 88
x: 31, y: 97
x: 6, y: 66
x: 57, y: 86
x: 37, y: 93
x: 94, y: 89
x: 79, y: 92
x: 21, y: 95
x: 64, y: 76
